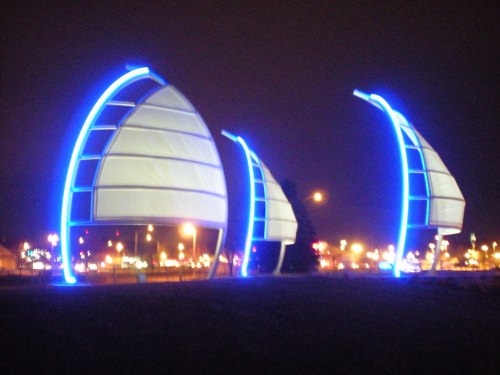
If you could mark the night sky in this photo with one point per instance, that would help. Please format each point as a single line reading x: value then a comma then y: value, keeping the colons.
x: 280, y: 74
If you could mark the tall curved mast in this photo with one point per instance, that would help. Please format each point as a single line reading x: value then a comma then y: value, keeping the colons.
x: 271, y: 216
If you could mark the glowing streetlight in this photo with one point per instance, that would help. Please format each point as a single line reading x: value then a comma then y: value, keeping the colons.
x: 149, y: 238
x: 53, y: 239
x: 26, y: 246
x: 357, y: 248
x: 444, y: 245
x: 343, y: 244
x: 119, y: 247
x: 485, y: 249
x: 181, y: 248
x: 188, y: 229
x: 109, y: 259
x: 317, y: 197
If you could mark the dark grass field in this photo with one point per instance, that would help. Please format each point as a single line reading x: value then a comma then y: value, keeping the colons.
x: 285, y: 325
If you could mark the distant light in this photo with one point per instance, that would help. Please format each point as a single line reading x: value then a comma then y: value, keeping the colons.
x: 357, y: 248
x: 317, y: 197
x: 53, y: 239
x: 343, y: 244
x: 188, y: 229
x: 38, y: 266
x: 386, y: 266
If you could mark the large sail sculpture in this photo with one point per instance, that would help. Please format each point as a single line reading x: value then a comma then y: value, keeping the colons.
x: 271, y: 216
x: 431, y: 198
x: 143, y: 156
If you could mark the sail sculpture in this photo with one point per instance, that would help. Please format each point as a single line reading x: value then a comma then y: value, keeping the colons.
x: 143, y: 156
x: 271, y: 216
x: 431, y: 198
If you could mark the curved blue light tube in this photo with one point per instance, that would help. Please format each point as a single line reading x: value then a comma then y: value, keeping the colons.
x: 403, y: 226
x: 124, y: 80
x: 251, y: 214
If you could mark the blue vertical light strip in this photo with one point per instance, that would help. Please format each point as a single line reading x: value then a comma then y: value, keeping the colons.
x: 124, y: 80
x: 403, y: 226
x: 266, y: 200
x: 424, y: 169
x: 251, y: 213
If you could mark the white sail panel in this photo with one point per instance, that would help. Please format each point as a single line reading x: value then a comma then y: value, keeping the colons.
x: 157, y: 143
x: 279, y: 210
x: 147, y: 172
x: 433, y: 162
x: 281, y: 224
x: 279, y: 230
x: 447, y: 215
x: 170, y: 97
x: 168, y: 119
x: 159, y: 206
x: 443, y: 186
x: 162, y: 165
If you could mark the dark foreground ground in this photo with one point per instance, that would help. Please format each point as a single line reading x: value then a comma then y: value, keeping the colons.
x: 286, y: 325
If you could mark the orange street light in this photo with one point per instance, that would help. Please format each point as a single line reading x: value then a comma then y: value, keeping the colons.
x: 189, y: 229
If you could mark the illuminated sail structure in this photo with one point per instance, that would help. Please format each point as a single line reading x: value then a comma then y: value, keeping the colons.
x: 271, y: 216
x: 431, y: 198
x: 143, y: 156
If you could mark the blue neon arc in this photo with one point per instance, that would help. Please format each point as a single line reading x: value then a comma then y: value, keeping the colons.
x: 403, y: 226
x: 251, y: 211
x: 382, y: 104
x: 251, y: 215
x: 121, y: 82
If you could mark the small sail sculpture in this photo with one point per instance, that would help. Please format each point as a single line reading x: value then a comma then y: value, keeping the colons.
x: 271, y: 216
x: 431, y: 196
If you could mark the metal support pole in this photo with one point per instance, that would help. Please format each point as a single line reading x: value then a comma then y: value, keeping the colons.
x: 437, y: 252
x: 277, y: 270
x: 218, y: 248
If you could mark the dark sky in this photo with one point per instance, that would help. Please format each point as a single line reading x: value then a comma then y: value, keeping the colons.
x: 281, y: 74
